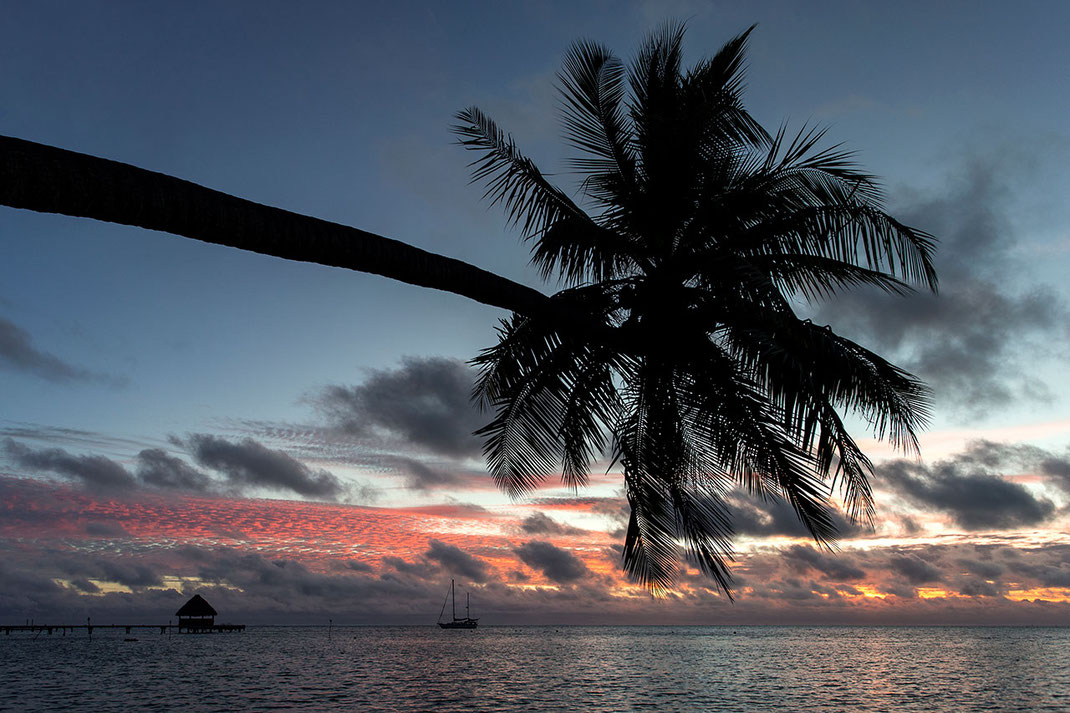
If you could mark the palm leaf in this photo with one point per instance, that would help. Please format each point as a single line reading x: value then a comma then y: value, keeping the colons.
x: 512, y: 179
x: 592, y: 89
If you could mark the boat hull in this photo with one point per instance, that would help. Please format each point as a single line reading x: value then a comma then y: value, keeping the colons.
x: 459, y: 624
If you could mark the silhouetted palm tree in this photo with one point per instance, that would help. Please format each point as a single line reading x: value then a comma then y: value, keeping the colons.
x: 675, y: 341
x: 699, y: 235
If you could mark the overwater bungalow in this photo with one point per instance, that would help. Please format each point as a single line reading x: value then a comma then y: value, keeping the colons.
x: 196, y: 615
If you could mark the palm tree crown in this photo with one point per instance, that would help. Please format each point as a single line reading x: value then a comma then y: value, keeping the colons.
x: 696, y: 237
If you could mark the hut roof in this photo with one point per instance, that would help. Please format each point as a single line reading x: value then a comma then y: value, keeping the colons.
x: 196, y: 607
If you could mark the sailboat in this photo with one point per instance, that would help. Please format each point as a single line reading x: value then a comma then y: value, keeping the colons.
x: 467, y: 622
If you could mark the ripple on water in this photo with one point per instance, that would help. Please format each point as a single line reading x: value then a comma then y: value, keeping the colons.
x: 532, y: 669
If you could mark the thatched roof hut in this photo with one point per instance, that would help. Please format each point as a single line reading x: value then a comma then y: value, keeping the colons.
x: 196, y: 613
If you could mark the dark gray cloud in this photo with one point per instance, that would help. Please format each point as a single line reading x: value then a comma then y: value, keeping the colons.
x: 539, y: 523
x: 290, y: 586
x: 914, y: 569
x: 94, y: 472
x: 84, y: 585
x: 981, y: 568
x: 774, y: 518
x: 104, y: 528
x: 969, y: 341
x: 457, y: 561
x: 246, y: 464
x: 250, y: 463
x: 1058, y: 469
x: 970, y: 489
x: 1047, y: 575
x: 120, y: 570
x: 18, y: 353
x: 556, y: 564
x: 838, y: 567
x: 157, y: 468
x: 420, y: 570
x: 56, y: 435
x: 426, y: 404
x: 980, y: 588
x: 134, y: 576
x: 352, y: 565
x: 788, y: 589
x: 420, y: 475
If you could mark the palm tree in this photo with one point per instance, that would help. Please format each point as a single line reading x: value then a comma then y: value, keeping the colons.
x: 699, y: 236
x: 675, y: 341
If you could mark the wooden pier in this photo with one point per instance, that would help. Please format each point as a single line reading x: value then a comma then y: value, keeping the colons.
x: 195, y: 617
x: 64, y: 629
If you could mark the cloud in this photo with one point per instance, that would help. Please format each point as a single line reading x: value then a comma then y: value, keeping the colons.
x: 834, y: 567
x: 156, y: 469
x: 352, y: 565
x: 244, y: 465
x: 556, y: 564
x: 18, y: 353
x: 1047, y: 575
x: 159, y: 469
x: 84, y: 585
x: 914, y: 569
x: 968, y: 341
x: 130, y: 575
x: 965, y: 488
x: 95, y: 472
x: 980, y: 588
x: 249, y: 463
x: 106, y: 529
x: 1058, y: 469
x: 457, y: 561
x: 420, y: 570
x: 985, y: 570
x: 55, y: 435
x: 117, y: 569
x: 776, y: 518
x: 539, y: 523
x: 420, y: 475
x: 426, y: 404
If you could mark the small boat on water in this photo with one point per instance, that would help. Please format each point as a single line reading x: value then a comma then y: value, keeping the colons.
x: 467, y: 622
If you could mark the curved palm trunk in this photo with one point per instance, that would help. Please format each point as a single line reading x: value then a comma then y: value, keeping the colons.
x: 51, y: 180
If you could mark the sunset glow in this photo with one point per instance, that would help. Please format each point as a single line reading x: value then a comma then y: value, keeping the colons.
x: 296, y: 440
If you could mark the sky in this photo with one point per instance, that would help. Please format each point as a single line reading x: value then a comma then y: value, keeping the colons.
x: 294, y: 441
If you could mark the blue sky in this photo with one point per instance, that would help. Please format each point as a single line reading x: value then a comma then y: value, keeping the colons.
x: 342, y: 111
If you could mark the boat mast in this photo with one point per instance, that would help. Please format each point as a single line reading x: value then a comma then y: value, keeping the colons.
x: 467, y: 599
x: 453, y: 596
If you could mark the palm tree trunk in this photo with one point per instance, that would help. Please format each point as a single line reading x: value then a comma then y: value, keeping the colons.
x: 51, y: 180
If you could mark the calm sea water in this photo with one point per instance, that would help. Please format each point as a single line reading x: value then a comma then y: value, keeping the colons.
x: 953, y: 670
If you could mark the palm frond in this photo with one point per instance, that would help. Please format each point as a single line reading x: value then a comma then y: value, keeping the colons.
x: 714, y: 88
x: 808, y: 372
x: 512, y: 179
x: 766, y: 459
x: 592, y: 90
x: 553, y: 397
x: 818, y: 204
x: 817, y: 276
x: 656, y: 67
x: 579, y: 250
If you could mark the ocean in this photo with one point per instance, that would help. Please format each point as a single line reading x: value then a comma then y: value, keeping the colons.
x: 525, y: 669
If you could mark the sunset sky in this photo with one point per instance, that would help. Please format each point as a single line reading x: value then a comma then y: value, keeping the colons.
x: 294, y: 441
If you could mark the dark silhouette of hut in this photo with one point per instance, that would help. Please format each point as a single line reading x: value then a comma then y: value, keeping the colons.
x: 196, y: 614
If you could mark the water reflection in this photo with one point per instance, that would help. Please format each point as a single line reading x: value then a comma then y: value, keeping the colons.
x: 548, y: 669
